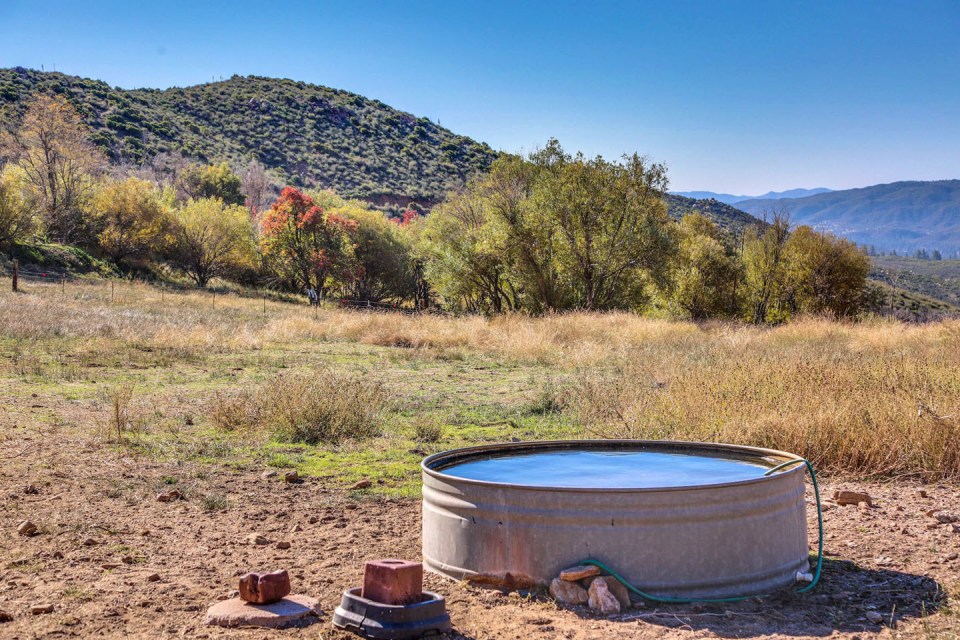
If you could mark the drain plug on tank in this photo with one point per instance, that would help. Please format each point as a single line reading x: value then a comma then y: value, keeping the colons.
x: 392, y: 604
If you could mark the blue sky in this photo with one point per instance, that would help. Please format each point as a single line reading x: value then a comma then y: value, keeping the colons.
x: 734, y: 96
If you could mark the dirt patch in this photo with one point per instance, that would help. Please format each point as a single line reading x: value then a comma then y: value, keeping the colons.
x: 115, y: 562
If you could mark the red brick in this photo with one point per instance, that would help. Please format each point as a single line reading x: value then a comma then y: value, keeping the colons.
x: 394, y: 582
x: 264, y: 588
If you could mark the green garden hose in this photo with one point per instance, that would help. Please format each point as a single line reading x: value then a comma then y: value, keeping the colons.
x: 816, y: 573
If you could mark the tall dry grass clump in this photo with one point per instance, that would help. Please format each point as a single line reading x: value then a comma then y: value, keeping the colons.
x: 878, y: 399
x: 321, y: 407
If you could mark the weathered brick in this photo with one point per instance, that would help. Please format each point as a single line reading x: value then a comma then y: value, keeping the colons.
x: 392, y: 581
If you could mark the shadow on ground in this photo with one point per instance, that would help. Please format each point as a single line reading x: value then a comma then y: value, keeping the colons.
x: 845, y: 600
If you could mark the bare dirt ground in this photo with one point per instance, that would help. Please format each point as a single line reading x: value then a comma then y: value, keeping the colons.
x: 103, y: 535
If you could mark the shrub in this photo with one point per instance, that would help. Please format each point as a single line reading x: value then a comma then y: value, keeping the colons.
x: 324, y: 406
x: 428, y: 431
x: 235, y: 411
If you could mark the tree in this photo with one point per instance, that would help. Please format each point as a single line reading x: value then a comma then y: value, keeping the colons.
x: 385, y: 267
x: 52, y: 147
x: 305, y: 246
x: 17, y: 218
x: 553, y: 232
x: 132, y: 219
x: 465, y: 256
x: 255, y: 188
x: 608, y: 227
x: 824, y: 273
x: 211, y: 238
x: 936, y: 255
x: 764, y: 270
x: 707, y: 274
x: 211, y: 181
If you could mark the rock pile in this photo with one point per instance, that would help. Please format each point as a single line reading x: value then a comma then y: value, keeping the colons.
x: 583, y: 584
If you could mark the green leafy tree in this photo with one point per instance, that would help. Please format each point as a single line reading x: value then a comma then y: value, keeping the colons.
x: 706, y: 282
x: 764, y: 264
x: 133, y: 220
x: 465, y: 256
x: 552, y: 232
x: 211, y: 181
x: 824, y: 273
x: 385, y: 267
x: 211, y: 239
x: 609, y: 234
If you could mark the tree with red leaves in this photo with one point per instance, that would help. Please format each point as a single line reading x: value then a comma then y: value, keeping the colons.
x: 306, y: 246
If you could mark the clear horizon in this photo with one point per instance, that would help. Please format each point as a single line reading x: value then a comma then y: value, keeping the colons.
x: 741, y: 97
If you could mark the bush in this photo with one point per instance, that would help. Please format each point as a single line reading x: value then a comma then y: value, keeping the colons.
x: 325, y: 407
x: 322, y: 407
x: 428, y: 432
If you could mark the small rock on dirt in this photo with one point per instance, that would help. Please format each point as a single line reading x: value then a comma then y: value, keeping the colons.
x: 153, y: 577
x: 4, y: 616
x: 363, y: 484
x: 579, y: 572
x: 38, y: 609
x: 257, y: 539
x: 617, y: 588
x: 852, y: 497
x: 296, y: 528
x: 89, y: 542
x: 874, y: 617
x: 568, y: 593
x: 31, y: 490
x: 269, y: 473
x: 601, y: 599
x: 283, y: 545
x: 27, y: 528
x: 291, y: 477
x: 946, y: 518
x: 169, y: 496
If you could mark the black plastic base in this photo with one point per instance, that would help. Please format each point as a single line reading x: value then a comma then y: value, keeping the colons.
x: 391, y: 622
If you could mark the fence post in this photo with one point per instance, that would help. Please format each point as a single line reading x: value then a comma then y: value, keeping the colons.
x: 111, y: 291
x: 264, y: 294
x: 63, y: 284
x: 16, y: 273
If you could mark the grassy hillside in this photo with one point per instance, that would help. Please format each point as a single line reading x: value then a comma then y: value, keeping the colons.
x: 938, y: 279
x: 309, y: 136
x: 726, y: 217
x: 306, y: 134
x: 900, y: 215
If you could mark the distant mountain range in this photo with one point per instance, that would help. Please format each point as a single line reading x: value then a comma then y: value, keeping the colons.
x: 728, y: 198
x: 901, y: 216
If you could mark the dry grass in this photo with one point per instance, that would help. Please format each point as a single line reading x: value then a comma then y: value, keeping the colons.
x: 879, y: 398
x: 876, y: 397
x: 322, y: 407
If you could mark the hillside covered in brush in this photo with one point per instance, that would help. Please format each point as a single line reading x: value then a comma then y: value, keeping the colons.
x: 307, y: 135
x: 728, y: 218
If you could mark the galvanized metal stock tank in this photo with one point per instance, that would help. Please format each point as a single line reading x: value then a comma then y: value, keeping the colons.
x: 708, y: 541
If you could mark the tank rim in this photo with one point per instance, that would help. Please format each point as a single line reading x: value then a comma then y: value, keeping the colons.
x: 426, y: 465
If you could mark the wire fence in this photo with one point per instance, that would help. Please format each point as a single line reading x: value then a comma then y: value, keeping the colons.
x: 37, y: 275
